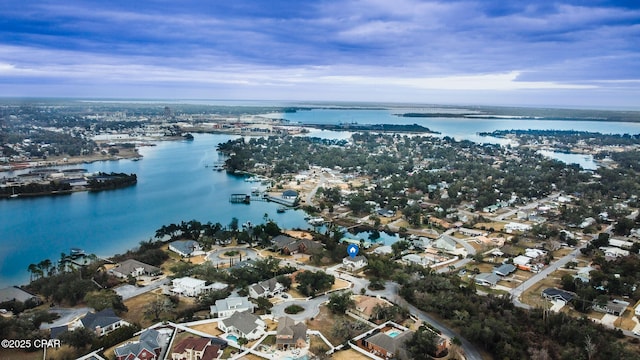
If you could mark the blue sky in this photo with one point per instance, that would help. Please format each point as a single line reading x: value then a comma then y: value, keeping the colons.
x: 562, y: 53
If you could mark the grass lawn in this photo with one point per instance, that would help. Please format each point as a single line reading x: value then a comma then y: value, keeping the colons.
x: 211, y: 328
x: 497, y: 226
x: 323, y: 322
x: 138, y: 304
x: 348, y: 355
x: 532, y: 295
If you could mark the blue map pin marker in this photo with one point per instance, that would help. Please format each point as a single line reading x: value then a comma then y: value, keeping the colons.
x: 352, y: 250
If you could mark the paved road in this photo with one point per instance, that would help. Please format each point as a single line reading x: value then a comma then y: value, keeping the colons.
x: 529, y: 206
x: 466, y: 245
x: 390, y: 292
x: 520, y: 289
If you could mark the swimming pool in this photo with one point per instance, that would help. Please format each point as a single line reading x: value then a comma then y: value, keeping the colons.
x: 393, y: 333
x: 232, y: 338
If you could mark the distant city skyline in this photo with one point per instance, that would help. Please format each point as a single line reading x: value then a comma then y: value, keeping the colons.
x: 572, y: 53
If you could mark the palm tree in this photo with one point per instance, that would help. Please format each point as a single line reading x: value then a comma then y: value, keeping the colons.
x: 33, y: 269
x: 46, y: 266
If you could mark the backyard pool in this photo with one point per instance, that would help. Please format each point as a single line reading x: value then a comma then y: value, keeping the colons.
x: 232, y: 338
x: 393, y: 333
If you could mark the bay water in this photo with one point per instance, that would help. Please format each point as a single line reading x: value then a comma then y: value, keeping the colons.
x: 174, y: 184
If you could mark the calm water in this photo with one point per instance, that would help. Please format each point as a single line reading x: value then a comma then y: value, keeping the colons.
x: 458, y: 128
x: 173, y: 185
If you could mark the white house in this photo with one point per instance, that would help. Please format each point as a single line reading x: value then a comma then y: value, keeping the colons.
x: 514, y: 226
x: 415, y: 259
x: 534, y: 253
x: 355, y: 263
x: 611, y: 251
x: 226, y: 307
x: 189, y: 286
x: 267, y: 288
x: 243, y: 324
x: 521, y: 260
x: 383, y: 250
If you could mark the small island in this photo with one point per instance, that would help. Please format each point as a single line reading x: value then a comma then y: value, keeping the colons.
x: 59, y: 182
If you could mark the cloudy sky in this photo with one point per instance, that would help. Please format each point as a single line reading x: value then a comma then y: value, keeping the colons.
x: 558, y: 53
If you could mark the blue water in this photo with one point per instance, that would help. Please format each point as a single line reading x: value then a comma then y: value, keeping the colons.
x: 459, y: 128
x: 173, y: 185
x: 232, y: 338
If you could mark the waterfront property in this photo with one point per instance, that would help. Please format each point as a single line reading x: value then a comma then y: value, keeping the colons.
x: 288, y: 245
x: 14, y: 293
x: 134, y: 268
x: 186, y: 248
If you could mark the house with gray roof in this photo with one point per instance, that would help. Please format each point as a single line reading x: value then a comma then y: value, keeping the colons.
x: 614, y: 307
x: 288, y: 245
x: 226, y: 307
x: 290, y: 334
x: 134, y: 268
x: 487, y: 279
x: 504, y: 269
x: 243, y: 324
x: 555, y: 294
x: 445, y: 242
x: 101, y: 323
x: 267, y: 288
x: 14, y: 293
x: 148, y: 347
x: 186, y: 248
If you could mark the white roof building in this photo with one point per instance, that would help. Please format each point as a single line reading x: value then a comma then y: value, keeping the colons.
x: 514, y: 226
x: 189, y: 286
x: 521, y: 260
x: 226, y: 307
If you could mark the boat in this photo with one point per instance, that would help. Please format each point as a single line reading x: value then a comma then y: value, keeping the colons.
x: 316, y: 221
x: 187, y: 136
x: 281, y: 209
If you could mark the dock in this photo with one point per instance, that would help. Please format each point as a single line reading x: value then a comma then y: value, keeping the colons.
x: 247, y: 198
x: 240, y: 199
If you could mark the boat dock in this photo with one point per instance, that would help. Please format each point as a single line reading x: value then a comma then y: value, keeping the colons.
x: 247, y: 198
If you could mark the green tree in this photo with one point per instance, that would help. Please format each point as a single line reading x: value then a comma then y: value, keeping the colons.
x: 309, y: 283
x: 340, y: 302
x: 422, y: 345
x: 78, y: 338
x: 104, y: 299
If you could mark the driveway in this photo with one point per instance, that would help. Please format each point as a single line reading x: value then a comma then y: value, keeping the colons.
x: 67, y: 315
x: 129, y: 291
